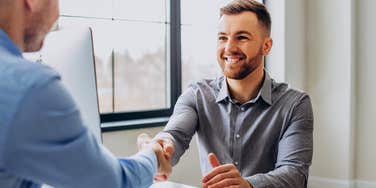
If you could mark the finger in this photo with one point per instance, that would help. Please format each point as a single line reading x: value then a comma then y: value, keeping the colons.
x: 213, y: 160
x: 160, y: 177
x: 225, y: 183
x: 227, y: 175
x: 234, y: 186
x: 218, y: 170
x: 156, y: 179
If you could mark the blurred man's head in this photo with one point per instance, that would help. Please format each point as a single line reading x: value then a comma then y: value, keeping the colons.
x: 27, y: 22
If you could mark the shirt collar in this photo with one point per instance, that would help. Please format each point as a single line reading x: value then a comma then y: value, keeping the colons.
x: 8, y: 44
x: 223, y: 90
x: 265, y: 91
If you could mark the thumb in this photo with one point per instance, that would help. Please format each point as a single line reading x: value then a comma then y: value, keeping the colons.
x: 169, y: 149
x: 213, y: 160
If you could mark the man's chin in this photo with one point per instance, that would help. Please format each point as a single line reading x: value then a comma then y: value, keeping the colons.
x: 236, y: 75
x: 33, y: 47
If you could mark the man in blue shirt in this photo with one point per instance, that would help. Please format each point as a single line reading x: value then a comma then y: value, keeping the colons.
x: 42, y: 137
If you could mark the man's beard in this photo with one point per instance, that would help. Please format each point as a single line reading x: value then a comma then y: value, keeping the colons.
x: 245, y: 69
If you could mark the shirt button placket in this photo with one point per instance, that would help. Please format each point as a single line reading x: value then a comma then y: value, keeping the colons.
x: 237, y: 153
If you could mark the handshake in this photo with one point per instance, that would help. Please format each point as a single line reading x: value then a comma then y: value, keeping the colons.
x: 226, y: 175
x: 163, y: 149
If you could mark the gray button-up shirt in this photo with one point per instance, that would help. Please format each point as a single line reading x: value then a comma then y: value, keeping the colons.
x: 269, y: 138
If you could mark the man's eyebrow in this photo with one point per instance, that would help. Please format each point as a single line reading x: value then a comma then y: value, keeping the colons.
x: 237, y: 33
x: 244, y: 32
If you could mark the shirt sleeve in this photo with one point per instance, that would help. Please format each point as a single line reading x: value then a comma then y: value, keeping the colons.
x: 182, y: 124
x: 47, y: 143
x: 295, y: 150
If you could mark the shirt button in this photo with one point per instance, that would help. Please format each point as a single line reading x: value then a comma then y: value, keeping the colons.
x: 236, y: 163
x: 237, y: 136
x: 242, y: 109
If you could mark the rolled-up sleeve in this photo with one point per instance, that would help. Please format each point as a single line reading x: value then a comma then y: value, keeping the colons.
x: 47, y: 143
x: 295, y: 150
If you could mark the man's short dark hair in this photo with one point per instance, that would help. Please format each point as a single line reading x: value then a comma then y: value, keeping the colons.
x: 239, y: 6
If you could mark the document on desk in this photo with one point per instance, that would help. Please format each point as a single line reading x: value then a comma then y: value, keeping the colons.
x: 168, y: 184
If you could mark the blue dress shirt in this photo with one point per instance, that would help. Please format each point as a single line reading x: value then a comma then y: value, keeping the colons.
x: 43, y: 139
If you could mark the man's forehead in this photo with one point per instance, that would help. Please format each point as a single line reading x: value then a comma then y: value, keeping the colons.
x: 245, y: 21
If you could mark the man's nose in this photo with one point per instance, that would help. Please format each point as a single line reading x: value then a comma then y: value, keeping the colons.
x: 231, y: 46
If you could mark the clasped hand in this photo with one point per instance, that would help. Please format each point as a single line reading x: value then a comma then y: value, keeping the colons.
x: 163, y: 150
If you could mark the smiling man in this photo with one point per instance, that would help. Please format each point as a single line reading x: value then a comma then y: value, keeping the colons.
x: 260, y: 130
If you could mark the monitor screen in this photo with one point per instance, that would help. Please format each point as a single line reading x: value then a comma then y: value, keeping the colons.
x: 70, y: 52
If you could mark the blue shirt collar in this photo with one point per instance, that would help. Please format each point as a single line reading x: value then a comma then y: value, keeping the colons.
x: 8, y: 44
x: 265, y: 91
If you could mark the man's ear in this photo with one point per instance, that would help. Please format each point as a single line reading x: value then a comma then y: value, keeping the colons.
x: 267, y: 46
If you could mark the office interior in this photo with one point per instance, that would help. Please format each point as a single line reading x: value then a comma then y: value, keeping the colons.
x: 324, y: 47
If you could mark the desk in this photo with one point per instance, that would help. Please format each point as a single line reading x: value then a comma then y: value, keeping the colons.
x: 168, y: 184
x: 164, y: 184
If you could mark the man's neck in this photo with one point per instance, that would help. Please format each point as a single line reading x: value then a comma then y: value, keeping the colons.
x: 247, y: 88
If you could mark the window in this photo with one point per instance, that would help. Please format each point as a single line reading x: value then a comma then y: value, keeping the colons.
x: 199, y: 39
x: 135, y: 46
x: 145, y: 54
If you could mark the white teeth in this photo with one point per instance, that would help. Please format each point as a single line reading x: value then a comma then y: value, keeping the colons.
x: 232, y: 60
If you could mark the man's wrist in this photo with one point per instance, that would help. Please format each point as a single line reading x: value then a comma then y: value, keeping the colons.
x: 249, y: 182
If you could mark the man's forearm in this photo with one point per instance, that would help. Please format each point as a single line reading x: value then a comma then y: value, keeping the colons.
x: 285, y: 176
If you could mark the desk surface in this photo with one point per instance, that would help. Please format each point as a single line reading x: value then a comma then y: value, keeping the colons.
x: 167, y: 184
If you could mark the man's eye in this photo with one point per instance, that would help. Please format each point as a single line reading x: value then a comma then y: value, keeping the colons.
x: 221, y: 38
x: 242, y: 38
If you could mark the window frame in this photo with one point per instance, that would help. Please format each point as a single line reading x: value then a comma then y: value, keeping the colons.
x: 151, y: 118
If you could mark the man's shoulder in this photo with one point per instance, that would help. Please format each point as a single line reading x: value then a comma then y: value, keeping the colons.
x: 282, y: 91
x: 18, y: 78
x: 213, y: 85
x: 20, y: 73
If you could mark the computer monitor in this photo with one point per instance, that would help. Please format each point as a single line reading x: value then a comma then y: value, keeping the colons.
x: 70, y: 53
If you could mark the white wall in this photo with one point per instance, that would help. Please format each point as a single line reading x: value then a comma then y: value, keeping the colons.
x: 295, y: 43
x: 276, y: 60
x: 366, y: 91
x: 286, y: 61
x: 340, y: 79
x: 329, y: 78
